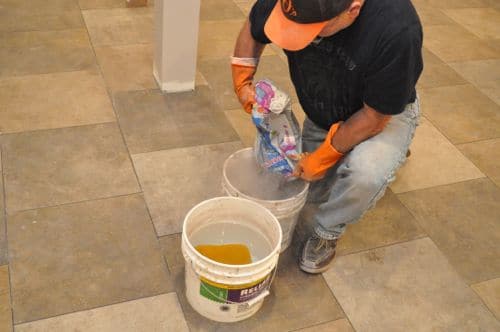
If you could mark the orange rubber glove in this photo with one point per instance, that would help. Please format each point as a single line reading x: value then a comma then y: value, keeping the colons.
x: 314, y: 166
x: 243, y: 72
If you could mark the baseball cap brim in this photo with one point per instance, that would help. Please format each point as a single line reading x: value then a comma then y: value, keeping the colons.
x: 288, y: 34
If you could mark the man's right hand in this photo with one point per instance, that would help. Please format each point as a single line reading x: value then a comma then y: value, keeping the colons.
x: 243, y: 72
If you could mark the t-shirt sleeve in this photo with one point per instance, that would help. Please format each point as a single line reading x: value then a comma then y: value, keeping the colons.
x: 392, y: 75
x: 258, y: 17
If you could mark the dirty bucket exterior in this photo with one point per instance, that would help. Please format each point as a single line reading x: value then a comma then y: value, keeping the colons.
x: 287, y: 210
x: 222, y: 292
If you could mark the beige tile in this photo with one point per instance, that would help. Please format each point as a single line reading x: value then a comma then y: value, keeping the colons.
x: 53, y: 101
x: 434, y: 161
x: 483, y: 22
x: 216, y: 39
x: 26, y: 15
x: 40, y: 52
x: 444, y: 4
x: 486, y: 156
x: 478, y: 71
x: 341, y: 325
x: 152, y: 121
x: 5, y: 310
x: 461, y: 112
x: 95, y: 4
x: 219, y: 10
x: 46, y: 168
x: 287, y: 308
x: 489, y: 291
x: 437, y: 73
x: 175, y: 180
x: 243, y: 125
x: 406, y: 287
x: 491, y: 89
x: 462, y: 219
x: 158, y: 313
x: 200, y: 79
x: 245, y: 6
x: 81, y: 256
x: 455, y: 43
x: 218, y: 75
x: 388, y: 223
x: 4, y: 259
x: 119, y: 26
x: 127, y: 67
x: 430, y: 15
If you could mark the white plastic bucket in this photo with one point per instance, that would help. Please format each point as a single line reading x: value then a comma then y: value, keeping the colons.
x: 286, y: 206
x: 222, y: 292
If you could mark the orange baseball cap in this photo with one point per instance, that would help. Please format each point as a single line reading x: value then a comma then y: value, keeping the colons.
x: 293, y: 24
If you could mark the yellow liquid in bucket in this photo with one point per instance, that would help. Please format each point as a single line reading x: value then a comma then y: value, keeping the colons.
x: 232, y: 254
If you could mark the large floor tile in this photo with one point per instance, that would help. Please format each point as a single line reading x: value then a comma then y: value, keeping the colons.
x: 53, y: 101
x: 406, y: 287
x: 483, y: 22
x: 5, y: 310
x: 430, y: 15
x: 40, y: 52
x: 219, y: 10
x: 455, y: 43
x: 434, y: 161
x: 297, y: 299
x: 26, y: 15
x: 461, y: 112
x: 217, y: 72
x: 462, y: 219
x: 98, y: 4
x: 160, y: 313
x: 489, y: 291
x: 119, y: 26
x: 445, y: 4
x: 340, y: 325
x: 153, y: 121
x: 478, y: 71
x: 437, y: 73
x: 46, y: 168
x: 491, y: 89
x: 81, y: 256
x: 389, y: 222
x: 176, y: 180
x: 127, y: 67
x: 3, y: 230
x: 486, y: 156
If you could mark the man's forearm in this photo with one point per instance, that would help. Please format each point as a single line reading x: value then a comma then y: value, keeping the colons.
x: 364, y: 124
x: 246, y: 46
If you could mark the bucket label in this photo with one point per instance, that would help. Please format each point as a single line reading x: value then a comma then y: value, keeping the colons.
x: 233, y: 293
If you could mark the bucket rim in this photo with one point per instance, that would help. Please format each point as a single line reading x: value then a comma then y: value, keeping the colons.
x: 255, y: 199
x: 274, y: 252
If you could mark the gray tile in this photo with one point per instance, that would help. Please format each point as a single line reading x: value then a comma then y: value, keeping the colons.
x: 341, y: 325
x: 153, y: 121
x: 84, y: 255
x: 218, y: 75
x: 51, y: 167
x: 119, y: 26
x: 462, y: 219
x: 175, y: 180
x: 3, y: 235
x: 147, y: 314
x: 461, y: 112
x: 219, y: 10
x: 40, y: 52
x: 5, y: 309
x: 26, y: 15
x: 53, y: 101
x: 297, y: 299
x: 406, y: 287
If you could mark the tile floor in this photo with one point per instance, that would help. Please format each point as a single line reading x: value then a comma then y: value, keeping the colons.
x: 99, y: 167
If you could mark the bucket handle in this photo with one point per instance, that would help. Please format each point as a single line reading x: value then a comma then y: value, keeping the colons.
x: 251, y: 302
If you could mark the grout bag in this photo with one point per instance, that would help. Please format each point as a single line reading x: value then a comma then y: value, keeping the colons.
x: 278, y: 144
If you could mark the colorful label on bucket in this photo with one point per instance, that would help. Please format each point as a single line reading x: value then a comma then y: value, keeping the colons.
x: 222, y: 293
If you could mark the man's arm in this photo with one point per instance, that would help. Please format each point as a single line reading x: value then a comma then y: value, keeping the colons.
x: 246, y: 46
x: 363, y: 124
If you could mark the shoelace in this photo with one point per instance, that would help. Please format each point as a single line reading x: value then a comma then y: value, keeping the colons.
x: 322, y: 243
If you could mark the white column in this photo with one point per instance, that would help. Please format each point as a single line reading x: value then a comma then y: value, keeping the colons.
x: 176, y: 43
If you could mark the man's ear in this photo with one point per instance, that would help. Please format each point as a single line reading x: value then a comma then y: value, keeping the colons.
x: 354, y: 8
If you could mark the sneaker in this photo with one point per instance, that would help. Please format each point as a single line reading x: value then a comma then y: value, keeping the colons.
x: 317, y: 254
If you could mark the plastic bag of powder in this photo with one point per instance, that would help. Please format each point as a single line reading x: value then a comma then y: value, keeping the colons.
x: 278, y: 144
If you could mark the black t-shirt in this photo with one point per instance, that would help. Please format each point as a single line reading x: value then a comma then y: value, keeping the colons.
x: 377, y: 60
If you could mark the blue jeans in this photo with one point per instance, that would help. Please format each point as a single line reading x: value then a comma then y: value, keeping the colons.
x: 360, y: 178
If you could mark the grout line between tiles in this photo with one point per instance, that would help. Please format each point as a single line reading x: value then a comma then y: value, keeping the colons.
x: 57, y: 128
x: 314, y: 325
x: 93, y: 308
x: 444, y: 184
x: 481, y: 298
x: 338, y: 302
